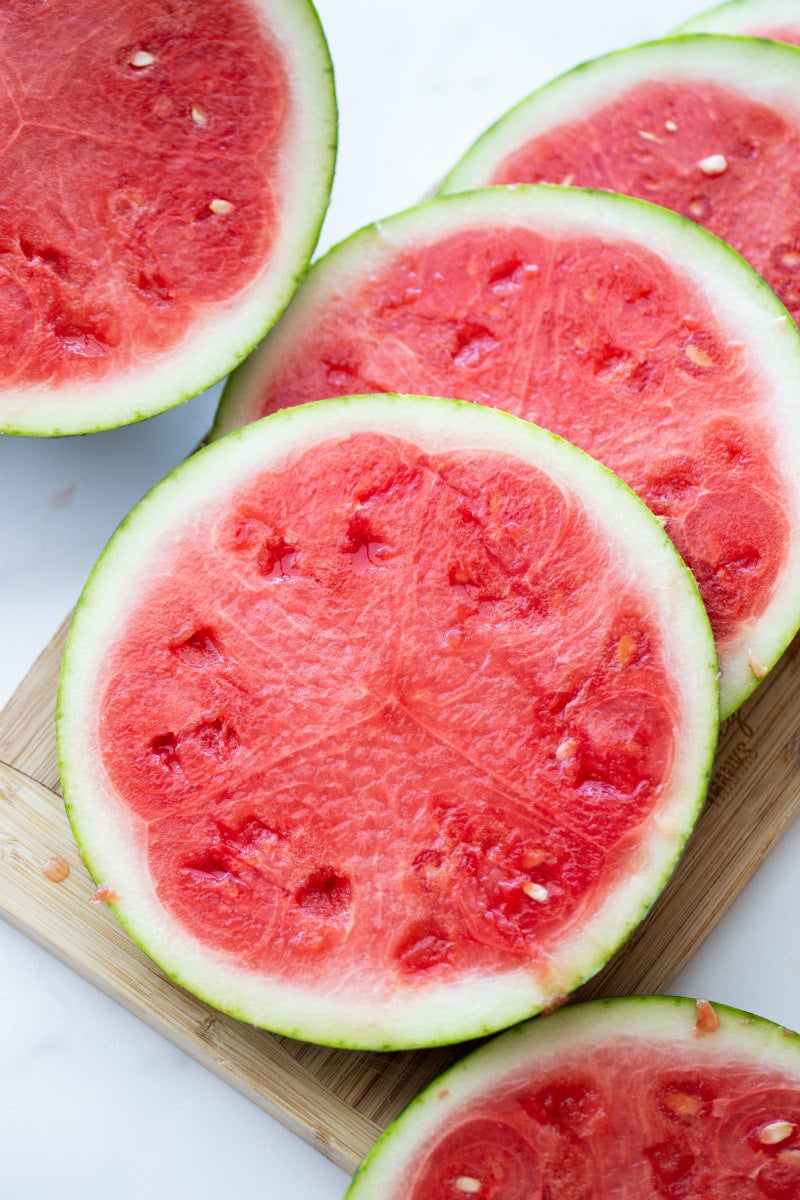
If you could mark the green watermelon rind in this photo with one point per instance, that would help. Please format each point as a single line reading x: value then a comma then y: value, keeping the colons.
x: 770, y: 72
x: 739, y: 17
x: 381, y: 1174
x: 214, y: 345
x: 746, y: 305
x: 477, y: 1006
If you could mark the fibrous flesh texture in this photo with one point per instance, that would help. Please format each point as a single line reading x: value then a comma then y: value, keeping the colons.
x: 586, y: 332
x: 707, y: 128
x: 390, y: 718
x: 143, y: 160
x: 659, y: 1114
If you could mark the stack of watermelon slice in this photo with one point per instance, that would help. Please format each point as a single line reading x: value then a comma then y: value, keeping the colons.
x: 384, y: 720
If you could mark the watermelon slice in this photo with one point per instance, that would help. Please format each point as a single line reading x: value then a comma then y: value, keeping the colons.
x: 383, y: 721
x: 625, y: 329
x: 706, y: 126
x: 165, y: 170
x: 776, y: 19
x: 653, y: 1098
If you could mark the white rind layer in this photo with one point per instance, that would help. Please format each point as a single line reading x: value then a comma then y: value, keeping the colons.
x: 746, y: 17
x: 225, y: 333
x: 105, y: 831
x: 651, y: 1020
x: 745, y: 306
x: 767, y: 72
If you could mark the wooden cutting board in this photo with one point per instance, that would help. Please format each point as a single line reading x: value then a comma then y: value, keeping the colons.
x: 339, y: 1100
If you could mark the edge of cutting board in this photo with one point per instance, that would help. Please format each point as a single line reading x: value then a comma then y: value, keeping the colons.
x: 339, y: 1100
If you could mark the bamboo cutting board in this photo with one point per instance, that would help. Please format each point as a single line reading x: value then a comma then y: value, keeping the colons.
x: 339, y: 1100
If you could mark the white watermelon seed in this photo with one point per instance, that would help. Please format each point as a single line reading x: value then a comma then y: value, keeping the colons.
x: 698, y: 356
x: 566, y: 749
x: 535, y: 891
x: 198, y: 116
x: 221, y: 206
x: 670, y: 126
x: 649, y: 137
x: 755, y: 665
x: 776, y: 1131
x: 142, y: 58
x: 466, y: 1183
x: 715, y: 164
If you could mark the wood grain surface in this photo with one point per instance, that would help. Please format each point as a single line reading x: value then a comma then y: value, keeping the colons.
x: 339, y: 1100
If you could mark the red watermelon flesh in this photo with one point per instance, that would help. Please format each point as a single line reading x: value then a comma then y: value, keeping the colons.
x: 790, y: 34
x: 588, y: 333
x: 384, y: 720
x: 145, y: 154
x: 572, y: 1129
x: 377, y: 628
x: 702, y: 138
x: 751, y: 204
x: 168, y: 250
x: 660, y: 1113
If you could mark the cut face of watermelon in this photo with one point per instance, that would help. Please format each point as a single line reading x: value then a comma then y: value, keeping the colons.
x: 623, y: 328
x: 706, y: 126
x: 385, y: 720
x: 165, y: 173
x: 657, y: 1098
x: 776, y: 19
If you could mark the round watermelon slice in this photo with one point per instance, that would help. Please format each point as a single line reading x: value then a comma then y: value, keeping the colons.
x: 650, y: 1097
x: 383, y: 721
x: 164, y: 172
x: 706, y: 126
x: 775, y: 19
x: 625, y: 329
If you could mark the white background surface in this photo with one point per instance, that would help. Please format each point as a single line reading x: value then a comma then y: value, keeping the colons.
x: 93, y: 1105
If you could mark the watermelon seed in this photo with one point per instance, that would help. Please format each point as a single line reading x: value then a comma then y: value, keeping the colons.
x: 756, y: 666
x: 790, y: 258
x: 789, y: 1158
x: 221, y: 206
x: 670, y: 126
x: 775, y: 1132
x: 467, y: 1184
x: 56, y: 869
x: 698, y: 356
x: 714, y: 164
x: 626, y: 647
x: 198, y: 116
x: 142, y: 58
x: 707, y: 1020
x: 700, y: 208
x: 649, y: 137
x: 566, y: 749
x: 682, y: 1104
x: 535, y: 891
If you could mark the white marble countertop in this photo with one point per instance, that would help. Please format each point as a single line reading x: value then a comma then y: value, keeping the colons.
x: 94, y: 1105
